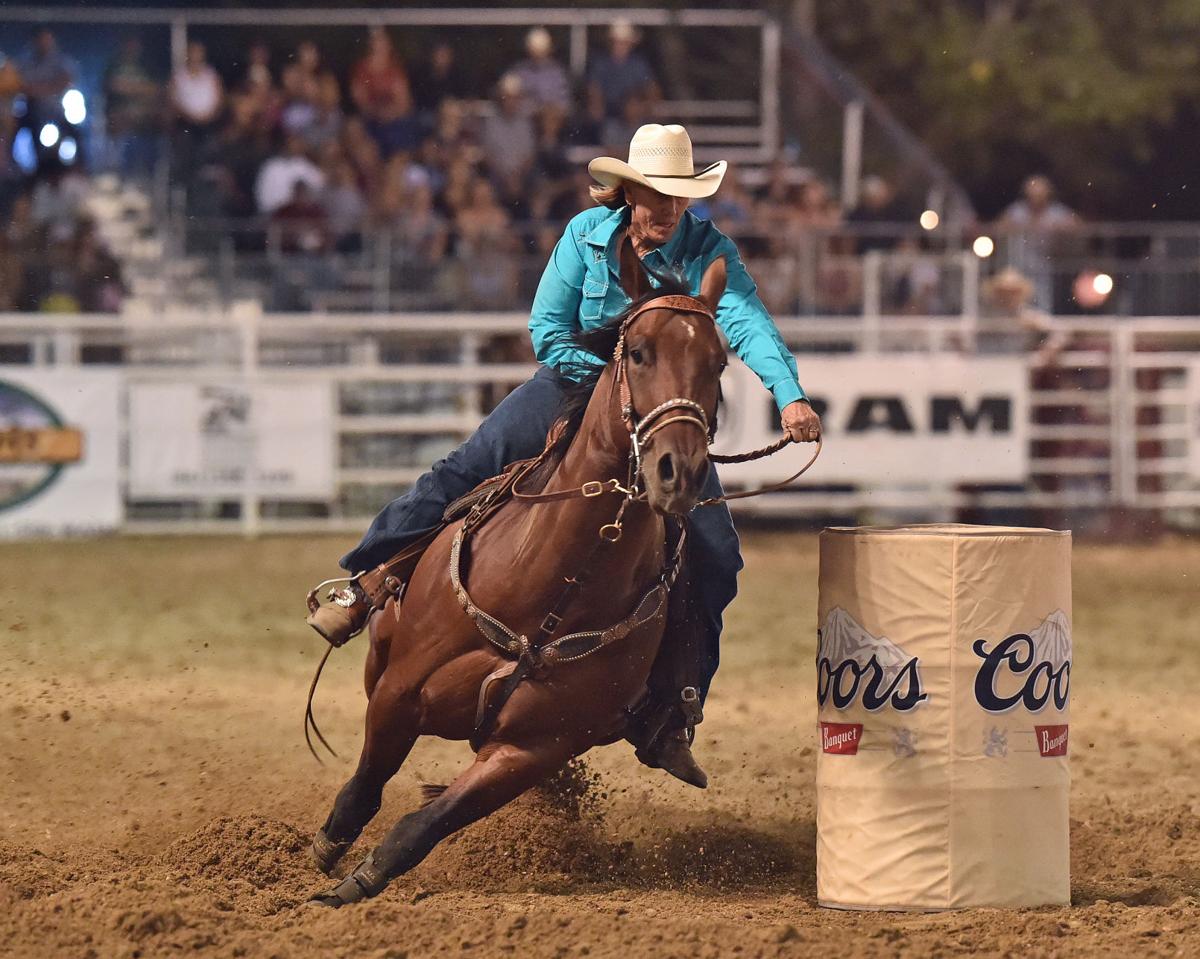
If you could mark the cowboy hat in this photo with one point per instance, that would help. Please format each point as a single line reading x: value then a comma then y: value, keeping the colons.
x: 660, y: 157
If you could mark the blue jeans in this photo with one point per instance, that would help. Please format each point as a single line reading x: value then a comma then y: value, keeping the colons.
x: 516, y: 429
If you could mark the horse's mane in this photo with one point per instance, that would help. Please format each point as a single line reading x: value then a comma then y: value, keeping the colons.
x: 579, y: 379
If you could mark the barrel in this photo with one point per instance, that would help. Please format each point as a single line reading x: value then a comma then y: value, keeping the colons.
x: 943, y: 684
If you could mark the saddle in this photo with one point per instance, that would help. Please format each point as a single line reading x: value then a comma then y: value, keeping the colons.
x: 389, y: 579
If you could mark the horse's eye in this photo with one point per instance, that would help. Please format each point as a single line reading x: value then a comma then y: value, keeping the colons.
x: 636, y: 356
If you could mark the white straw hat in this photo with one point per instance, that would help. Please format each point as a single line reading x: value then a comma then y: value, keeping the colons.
x: 660, y: 157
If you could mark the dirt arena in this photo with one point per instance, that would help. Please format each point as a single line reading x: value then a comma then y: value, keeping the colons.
x: 158, y: 798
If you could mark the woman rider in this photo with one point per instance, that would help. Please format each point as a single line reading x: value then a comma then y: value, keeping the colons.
x: 642, y: 218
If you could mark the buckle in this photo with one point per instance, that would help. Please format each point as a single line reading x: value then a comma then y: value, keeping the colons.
x: 592, y: 488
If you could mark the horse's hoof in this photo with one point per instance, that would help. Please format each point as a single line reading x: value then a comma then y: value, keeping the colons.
x: 326, y: 853
x: 365, y: 882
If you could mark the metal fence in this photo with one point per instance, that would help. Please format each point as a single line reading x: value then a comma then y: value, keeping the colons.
x: 1114, y: 425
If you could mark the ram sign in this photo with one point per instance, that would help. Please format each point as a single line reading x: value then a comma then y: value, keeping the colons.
x: 889, y: 421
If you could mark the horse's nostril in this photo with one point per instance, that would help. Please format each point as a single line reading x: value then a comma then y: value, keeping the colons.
x: 666, y: 468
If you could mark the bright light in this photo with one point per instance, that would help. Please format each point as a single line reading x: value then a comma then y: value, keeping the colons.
x: 48, y: 135
x: 23, y: 151
x: 983, y: 247
x: 74, y: 109
x: 930, y: 219
x: 1102, y: 283
x: 67, y: 150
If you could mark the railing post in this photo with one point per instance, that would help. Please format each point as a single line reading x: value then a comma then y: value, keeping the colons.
x: 872, y: 300
x: 247, y: 324
x: 969, y: 320
x: 1123, y: 417
x: 769, y: 94
x: 578, y: 51
x: 852, y: 144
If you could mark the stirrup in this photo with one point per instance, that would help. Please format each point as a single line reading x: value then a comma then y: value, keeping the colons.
x: 343, y: 618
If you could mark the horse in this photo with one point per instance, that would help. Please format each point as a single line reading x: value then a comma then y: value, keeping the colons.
x: 630, y: 461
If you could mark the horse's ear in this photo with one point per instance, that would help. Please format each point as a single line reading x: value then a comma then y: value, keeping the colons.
x: 712, y: 284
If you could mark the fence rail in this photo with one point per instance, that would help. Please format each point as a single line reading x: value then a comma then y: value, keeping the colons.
x: 1114, y: 425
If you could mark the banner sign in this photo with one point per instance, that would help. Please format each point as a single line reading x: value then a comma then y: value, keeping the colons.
x: 224, y: 439
x: 888, y: 420
x: 59, y: 452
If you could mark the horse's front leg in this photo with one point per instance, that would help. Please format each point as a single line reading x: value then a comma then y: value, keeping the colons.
x: 393, y: 715
x: 500, y: 773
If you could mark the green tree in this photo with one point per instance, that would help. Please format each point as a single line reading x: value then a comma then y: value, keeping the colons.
x: 1089, y: 91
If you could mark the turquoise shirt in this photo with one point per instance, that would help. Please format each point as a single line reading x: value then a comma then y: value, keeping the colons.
x: 581, y: 290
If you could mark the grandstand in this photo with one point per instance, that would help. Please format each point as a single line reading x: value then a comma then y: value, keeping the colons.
x: 177, y: 246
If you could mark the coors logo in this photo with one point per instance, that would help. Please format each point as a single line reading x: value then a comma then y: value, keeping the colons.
x: 854, y: 665
x: 1040, y: 659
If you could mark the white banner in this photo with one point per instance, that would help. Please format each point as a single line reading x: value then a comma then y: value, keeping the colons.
x: 59, y: 452
x: 224, y: 439
x: 889, y: 420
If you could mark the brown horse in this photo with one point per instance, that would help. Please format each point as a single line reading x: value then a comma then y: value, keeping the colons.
x: 651, y: 408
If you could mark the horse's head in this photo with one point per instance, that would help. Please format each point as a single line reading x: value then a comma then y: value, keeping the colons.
x: 669, y: 362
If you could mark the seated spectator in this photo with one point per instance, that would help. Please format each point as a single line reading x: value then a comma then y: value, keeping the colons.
x: 544, y: 81
x: 259, y: 89
x: 58, y: 200
x: 876, y: 211
x: 325, y: 124
x: 132, y: 111
x: 451, y: 139
x: 421, y: 233
x: 361, y: 149
x: 461, y: 178
x: 98, y: 284
x: 732, y: 208
x: 816, y: 208
x: 23, y: 246
x: 344, y: 207
x: 509, y: 141
x: 197, y: 98
x: 231, y: 162
x: 438, y: 81
x: 379, y: 80
x: 617, y: 75
x: 312, y: 96
x: 396, y: 126
x: 484, y: 243
x: 278, y: 177
x: 300, y: 225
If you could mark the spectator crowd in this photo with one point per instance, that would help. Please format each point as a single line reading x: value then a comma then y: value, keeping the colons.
x: 462, y: 191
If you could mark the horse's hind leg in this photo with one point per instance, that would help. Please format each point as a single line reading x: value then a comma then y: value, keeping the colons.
x: 392, y: 717
x: 498, y: 775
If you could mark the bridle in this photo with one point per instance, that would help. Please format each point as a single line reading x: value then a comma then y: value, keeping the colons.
x: 643, y: 428
x: 684, y: 410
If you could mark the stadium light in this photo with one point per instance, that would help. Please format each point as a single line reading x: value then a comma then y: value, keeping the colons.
x: 1102, y: 283
x: 74, y: 107
x: 24, y: 153
x: 68, y: 150
x: 48, y: 135
x: 930, y: 220
x: 983, y: 247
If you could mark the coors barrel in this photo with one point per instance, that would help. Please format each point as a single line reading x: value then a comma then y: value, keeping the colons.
x: 943, y: 691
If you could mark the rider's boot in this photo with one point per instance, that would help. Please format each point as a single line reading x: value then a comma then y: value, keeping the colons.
x: 343, y: 617
x: 663, y: 734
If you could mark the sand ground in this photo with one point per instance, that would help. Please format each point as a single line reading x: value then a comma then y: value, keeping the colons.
x: 157, y: 797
